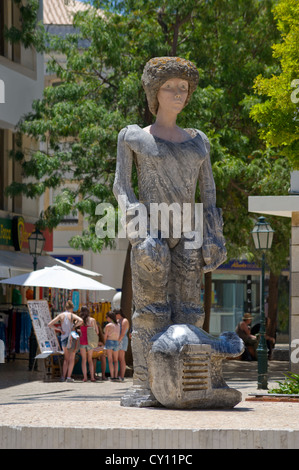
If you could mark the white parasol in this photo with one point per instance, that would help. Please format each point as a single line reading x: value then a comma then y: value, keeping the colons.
x: 57, y: 277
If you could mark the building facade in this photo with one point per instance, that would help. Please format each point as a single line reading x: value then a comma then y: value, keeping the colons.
x: 21, y: 82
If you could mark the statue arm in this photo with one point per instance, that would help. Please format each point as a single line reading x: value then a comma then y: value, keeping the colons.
x: 122, y: 187
x: 123, y: 174
x: 213, y: 248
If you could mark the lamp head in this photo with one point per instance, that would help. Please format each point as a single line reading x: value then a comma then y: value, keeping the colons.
x: 262, y: 234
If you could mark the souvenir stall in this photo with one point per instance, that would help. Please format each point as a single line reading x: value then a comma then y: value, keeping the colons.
x: 55, y: 285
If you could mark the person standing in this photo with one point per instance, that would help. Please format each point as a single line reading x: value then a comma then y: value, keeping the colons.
x: 68, y: 321
x: 111, y: 336
x: 86, y: 350
x: 100, y: 355
x: 123, y: 341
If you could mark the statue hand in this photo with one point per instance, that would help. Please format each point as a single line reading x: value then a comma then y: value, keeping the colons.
x: 152, y: 254
x: 213, y: 255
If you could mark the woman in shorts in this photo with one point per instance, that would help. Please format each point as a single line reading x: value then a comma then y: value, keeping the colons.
x: 86, y: 351
x: 112, y: 331
x: 123, y: 341
x: 68, y: 320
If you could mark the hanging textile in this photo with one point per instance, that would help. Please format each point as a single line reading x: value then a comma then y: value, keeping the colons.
x: 15, y: 330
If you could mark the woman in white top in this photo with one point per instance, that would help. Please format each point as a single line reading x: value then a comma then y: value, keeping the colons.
x: 67, y: 320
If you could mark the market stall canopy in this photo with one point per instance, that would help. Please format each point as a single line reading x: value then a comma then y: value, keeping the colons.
x: 57, y: 277
x: 78, y: 269
x: 13, y: 263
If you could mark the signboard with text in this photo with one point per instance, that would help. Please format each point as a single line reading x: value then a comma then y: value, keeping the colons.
x: 76, y: 260
x: 15, y: 232
x: 40, y: 317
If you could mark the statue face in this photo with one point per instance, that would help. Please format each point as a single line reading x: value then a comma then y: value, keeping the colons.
x: 172, y: 95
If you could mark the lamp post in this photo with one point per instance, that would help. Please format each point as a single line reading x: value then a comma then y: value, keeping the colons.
x: 36, y: 244
x: 262, y: 235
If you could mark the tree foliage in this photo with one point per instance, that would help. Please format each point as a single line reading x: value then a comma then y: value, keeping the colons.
x: 278, y: 113
x: 30, y: 32
x: 100, y: 92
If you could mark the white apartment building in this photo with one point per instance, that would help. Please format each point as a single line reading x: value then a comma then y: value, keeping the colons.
x: 57, y: 18
x: 21, y: 81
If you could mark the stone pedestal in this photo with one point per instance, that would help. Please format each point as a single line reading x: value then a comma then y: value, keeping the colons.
x: 191, y: 379
x: 184, y: 366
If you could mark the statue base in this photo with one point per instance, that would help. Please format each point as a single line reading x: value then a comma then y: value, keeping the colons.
x: 139, y: 397
x: 185, y: 370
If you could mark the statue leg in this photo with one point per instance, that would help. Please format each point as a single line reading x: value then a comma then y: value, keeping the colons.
x: 150, y: 264
x: 184, y: 285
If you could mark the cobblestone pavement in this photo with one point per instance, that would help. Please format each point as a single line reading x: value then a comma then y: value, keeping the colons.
x: 27, y: 400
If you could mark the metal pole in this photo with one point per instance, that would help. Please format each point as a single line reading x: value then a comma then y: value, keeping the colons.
x: 262, y: 355
x: 32, y: 338
x: 34, y: 269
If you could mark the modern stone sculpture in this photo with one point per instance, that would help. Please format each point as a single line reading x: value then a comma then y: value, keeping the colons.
x: 185, y: 368
x: 168, y: 260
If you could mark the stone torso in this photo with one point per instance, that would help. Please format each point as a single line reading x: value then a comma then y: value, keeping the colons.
x: 167, y: 171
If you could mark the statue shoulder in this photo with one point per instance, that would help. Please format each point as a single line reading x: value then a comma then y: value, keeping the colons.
x: 129, y: 132
x: 204, y: 138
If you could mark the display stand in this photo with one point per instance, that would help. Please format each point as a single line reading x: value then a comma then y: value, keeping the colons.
x: 46, y: 337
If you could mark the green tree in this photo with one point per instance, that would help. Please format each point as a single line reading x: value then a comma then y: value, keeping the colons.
x: 100, y: 92
x: 277, y: 115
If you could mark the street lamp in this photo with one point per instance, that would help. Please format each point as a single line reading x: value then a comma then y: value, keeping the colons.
x: 36, y: 244
x: 262, y: 235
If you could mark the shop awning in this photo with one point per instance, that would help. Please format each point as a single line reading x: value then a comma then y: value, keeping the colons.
x: 14, y: 263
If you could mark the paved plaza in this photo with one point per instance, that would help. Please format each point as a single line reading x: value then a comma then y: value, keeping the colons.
x: 39, y: 414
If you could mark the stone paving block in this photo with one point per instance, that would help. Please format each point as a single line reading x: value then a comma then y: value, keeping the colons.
x: 188, y: 439
x: 182, y: 439
x: 160, y: 438
x: 235, y: 437
x: 174, y: 438
x: 135, y: 439
x: 223, y: 438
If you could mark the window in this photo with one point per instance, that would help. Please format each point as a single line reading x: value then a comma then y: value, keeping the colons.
x: 1, y: 27
x: 9, y: 16
x: 231, y: 299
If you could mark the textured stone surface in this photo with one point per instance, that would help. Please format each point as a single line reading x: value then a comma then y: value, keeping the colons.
x: 165, y: 274
x: 185, y: 368
x: 168, y: 259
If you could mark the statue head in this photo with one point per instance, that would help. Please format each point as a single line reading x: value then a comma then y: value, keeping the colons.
x: 160, y: 69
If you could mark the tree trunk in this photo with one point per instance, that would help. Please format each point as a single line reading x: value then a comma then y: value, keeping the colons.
x: 127, y: 299
x: 207, y: 301
x: 272, y: 304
